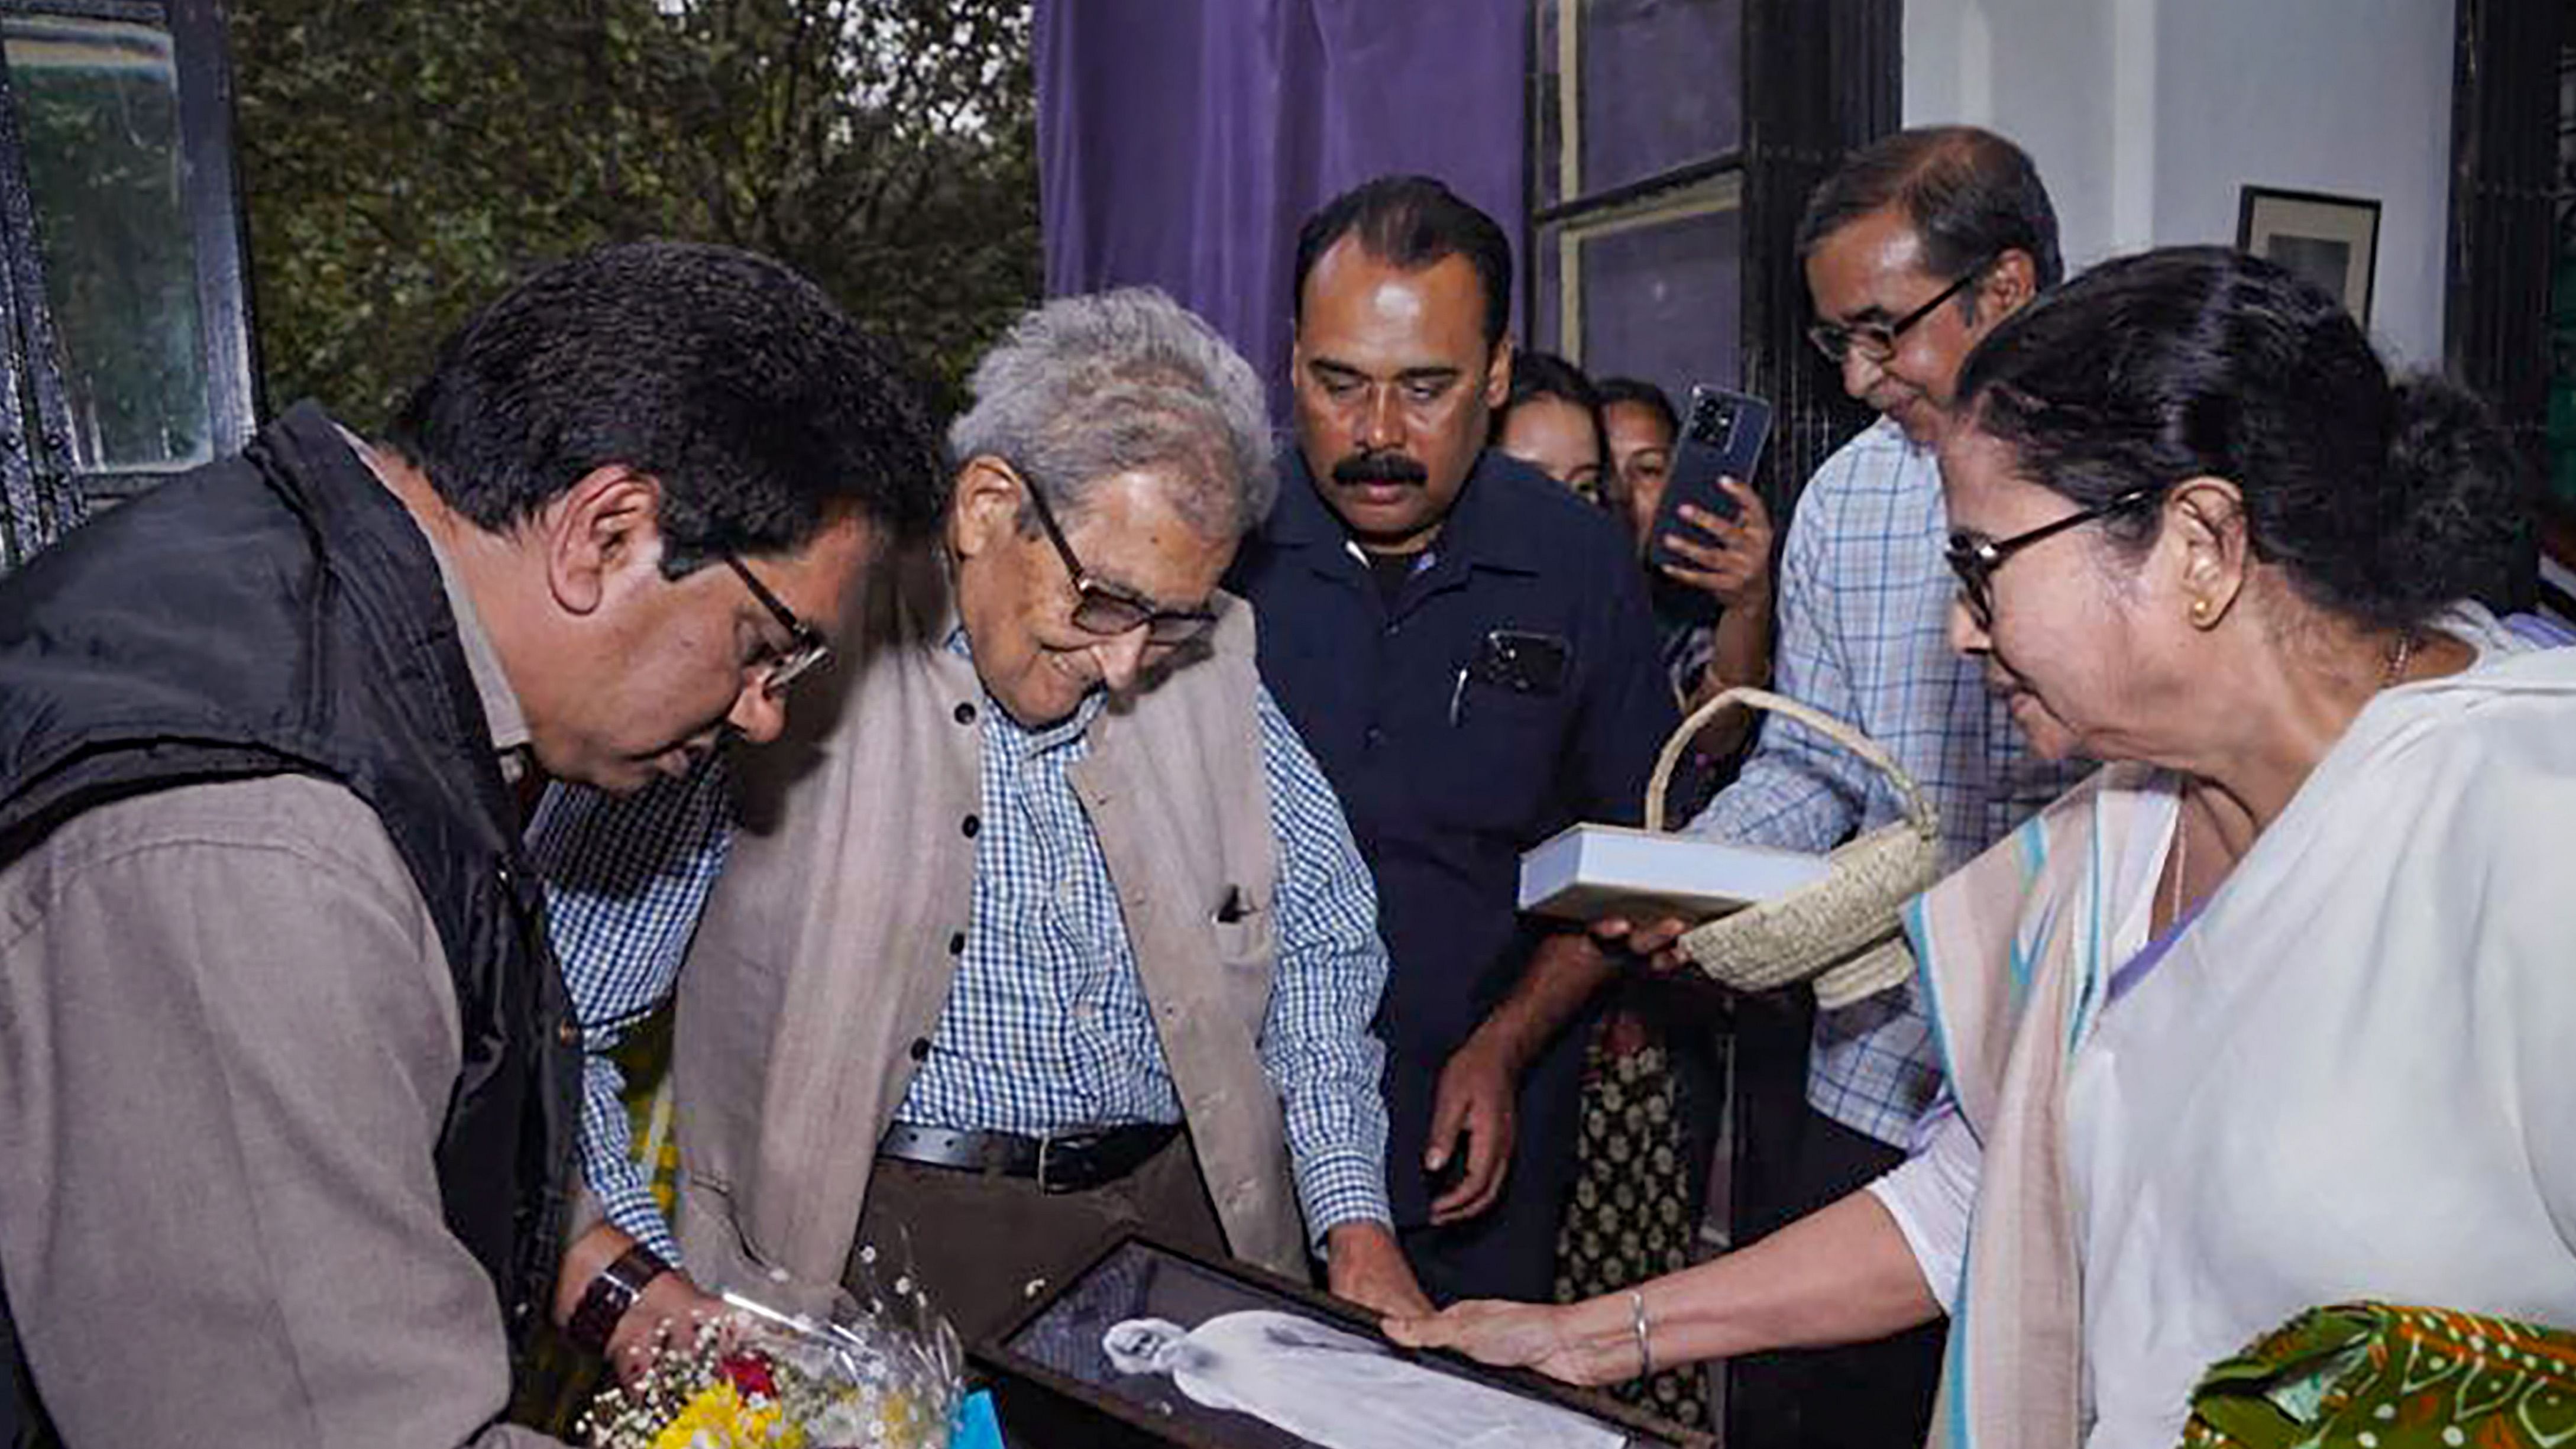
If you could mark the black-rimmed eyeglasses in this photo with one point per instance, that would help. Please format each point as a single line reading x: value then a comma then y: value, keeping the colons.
x: 1877, y: 340
x: 1975, y: 559
x: 806, y: 649
x: 1107, y: 610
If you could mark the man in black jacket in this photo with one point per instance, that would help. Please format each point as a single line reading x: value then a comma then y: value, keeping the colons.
x: 286, y: 1074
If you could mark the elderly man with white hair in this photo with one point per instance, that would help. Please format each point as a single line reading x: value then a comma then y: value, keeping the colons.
x: 1045, y: 923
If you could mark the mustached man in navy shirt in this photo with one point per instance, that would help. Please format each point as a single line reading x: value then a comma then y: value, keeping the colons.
x: 1467, y: 648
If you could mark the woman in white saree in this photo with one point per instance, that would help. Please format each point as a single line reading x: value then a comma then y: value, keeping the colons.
x: 2278, y: 1011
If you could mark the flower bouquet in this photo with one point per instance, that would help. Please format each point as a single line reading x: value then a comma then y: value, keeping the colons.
x: 767, y: 1379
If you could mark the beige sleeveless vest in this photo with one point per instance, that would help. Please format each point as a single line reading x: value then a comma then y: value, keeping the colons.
x: 825, y: 955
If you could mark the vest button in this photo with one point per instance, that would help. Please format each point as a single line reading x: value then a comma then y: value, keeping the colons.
x: 569, y: 1033
x: 920, y: 1049
x: 970, y: 825
x: 965, y: 713
x: 957, y: 943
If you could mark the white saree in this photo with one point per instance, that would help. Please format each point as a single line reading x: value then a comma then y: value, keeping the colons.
x: 2348, y: 1078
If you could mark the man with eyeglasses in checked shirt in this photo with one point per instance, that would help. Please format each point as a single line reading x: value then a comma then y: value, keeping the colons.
x: 1914, y: 250
x: 1046, y: 926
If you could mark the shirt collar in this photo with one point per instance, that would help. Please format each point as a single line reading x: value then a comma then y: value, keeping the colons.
x: 501, y: 710
x: 1030, y: 742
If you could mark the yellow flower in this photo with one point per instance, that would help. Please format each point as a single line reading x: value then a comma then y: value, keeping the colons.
x: 718, y: 1418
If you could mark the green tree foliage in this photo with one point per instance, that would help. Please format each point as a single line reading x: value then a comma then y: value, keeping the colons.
x: 404, y: 160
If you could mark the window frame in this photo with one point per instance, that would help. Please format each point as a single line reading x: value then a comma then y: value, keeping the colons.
x: 1702, y: 186
x: 1819, y: 81
x: 210, y: 195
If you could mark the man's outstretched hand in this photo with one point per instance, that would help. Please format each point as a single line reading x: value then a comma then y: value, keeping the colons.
x: 1657, y: 943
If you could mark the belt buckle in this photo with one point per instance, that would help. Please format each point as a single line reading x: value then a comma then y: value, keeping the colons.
x: 1076, y: 1179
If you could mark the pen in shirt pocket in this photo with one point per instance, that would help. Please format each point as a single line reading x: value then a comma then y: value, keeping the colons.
x: 1235, y: 907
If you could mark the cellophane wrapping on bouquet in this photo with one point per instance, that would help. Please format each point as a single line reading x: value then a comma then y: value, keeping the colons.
x: 887, y: 1374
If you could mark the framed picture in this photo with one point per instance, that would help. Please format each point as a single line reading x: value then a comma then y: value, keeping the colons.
x: 2332, y: 241
x: 1181, y: 1350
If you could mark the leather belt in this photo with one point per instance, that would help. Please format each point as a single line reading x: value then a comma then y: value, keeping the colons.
x: 1064, y: 1162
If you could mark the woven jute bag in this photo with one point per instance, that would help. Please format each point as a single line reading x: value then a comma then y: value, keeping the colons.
x: 1841, y: 931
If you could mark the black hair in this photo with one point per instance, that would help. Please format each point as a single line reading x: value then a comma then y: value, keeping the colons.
x: 1544, y: 374
x: 1970, y: 194
x: 755, y: 402
x: 1616, y: 390
x: 1411, y: 222
x: 2382, y: 499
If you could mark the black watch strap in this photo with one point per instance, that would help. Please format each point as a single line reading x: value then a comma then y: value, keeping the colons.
x: 610, y: 1294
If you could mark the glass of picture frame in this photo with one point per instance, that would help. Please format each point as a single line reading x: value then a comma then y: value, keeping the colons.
x: 1148, y: 1344
x: 2330, y: 240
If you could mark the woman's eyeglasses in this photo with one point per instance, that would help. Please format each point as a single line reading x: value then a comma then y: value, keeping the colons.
x: 1975, y: 559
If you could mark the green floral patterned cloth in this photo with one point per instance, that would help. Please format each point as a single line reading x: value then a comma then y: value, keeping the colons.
x: 1630, y: 1217
x: 2377, y: 1376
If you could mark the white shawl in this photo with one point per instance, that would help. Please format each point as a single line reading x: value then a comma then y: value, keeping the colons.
x: 2438, y: 829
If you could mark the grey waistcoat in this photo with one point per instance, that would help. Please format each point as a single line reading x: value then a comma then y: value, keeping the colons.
x: 827, y: 948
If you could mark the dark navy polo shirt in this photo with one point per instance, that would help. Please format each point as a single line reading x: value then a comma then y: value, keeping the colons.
x: 1445, y: 785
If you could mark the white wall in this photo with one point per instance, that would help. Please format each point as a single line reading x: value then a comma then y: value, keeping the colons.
x: 2145, y: 116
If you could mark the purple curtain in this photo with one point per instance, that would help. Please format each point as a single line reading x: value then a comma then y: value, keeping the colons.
x: 1182, y: 141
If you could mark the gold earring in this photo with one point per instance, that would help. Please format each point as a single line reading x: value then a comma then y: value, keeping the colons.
x: 2200, y: 611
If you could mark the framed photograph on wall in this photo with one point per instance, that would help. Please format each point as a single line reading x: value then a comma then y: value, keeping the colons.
x: 1155, y: 1346
x: 2332, y: 241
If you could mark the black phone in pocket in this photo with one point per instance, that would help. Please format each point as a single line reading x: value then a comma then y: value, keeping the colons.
x: 1722, y: 437
x: 1523, y: 661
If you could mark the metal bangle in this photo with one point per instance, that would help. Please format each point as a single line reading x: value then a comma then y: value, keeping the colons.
x: 1637, y: 1324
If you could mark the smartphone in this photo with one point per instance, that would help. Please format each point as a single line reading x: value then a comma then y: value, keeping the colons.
x: 1722, y: 437
x: 1522, y: 661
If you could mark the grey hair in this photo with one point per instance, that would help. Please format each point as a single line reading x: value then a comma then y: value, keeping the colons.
x: 1087, y: 388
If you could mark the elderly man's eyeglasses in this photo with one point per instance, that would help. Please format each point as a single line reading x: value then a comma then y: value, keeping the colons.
x: 1876, y: 341
x: 1975, y: 559
x: 806, y: 650
x: 1108, y: 610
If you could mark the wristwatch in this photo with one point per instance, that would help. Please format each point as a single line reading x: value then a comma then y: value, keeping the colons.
x: 610, y: 1294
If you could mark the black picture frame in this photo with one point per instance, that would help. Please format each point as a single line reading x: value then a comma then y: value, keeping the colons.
x: 2331, y: 240
x: 1053, y: 1347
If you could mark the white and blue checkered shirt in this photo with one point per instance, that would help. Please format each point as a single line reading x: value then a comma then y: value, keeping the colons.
x: 1046, y: 1027
x: 1864, y: 636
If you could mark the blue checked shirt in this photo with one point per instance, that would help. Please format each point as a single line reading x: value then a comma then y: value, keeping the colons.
x: 1046, y: 1027
x: 1864, y: 636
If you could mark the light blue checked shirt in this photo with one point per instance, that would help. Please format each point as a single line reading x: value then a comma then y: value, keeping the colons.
x: 1046, y: 1027
x: 1864, y: 636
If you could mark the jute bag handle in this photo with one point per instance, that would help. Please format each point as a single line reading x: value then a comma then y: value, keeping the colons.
x: 1918, y: 811
x: 1842, y: 931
